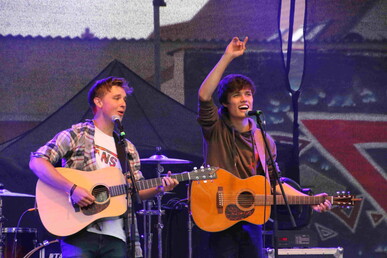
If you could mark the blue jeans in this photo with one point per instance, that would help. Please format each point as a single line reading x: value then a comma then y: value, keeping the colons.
x: 87, y: 245
x: 243, y: 240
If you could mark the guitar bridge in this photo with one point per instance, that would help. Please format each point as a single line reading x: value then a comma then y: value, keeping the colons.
x: 220, y: 199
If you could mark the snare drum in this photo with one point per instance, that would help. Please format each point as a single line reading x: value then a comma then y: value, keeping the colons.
x: 48, y: 249
x: 26, y: 240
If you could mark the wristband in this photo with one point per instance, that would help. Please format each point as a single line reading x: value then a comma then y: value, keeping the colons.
x: 72, y: 189
x: 160, y: 189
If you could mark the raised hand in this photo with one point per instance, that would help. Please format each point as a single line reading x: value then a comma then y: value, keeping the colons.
x: 236, y: 47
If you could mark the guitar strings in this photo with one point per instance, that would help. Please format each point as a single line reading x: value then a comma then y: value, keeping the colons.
x: 295, y: 199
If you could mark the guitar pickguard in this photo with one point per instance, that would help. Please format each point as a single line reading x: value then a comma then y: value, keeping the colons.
x: 94, y: 208
x: 234, y: 213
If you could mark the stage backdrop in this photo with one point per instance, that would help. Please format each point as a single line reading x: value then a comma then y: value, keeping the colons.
x: 341, y: 114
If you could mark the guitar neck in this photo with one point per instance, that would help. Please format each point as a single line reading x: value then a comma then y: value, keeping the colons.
x: 153, y: 182
x: 261, y: 200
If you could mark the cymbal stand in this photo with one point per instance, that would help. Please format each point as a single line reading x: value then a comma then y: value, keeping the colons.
x: 160, y: 225
x: 190, y: 224
x: 147, y: 213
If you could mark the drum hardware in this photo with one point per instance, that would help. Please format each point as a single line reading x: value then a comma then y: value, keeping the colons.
x: 150, y: 212
x: 6, y: 193
x: 19, y: 241
x: 147, y: 212
x: 180, y: 204
x: 157, y: 159
x: 162, y: 159
x: 190, y: 225
x: 41, y: 249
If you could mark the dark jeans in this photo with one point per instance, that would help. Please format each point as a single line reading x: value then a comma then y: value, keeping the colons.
x: 86, y: 245
x: 243, y: 240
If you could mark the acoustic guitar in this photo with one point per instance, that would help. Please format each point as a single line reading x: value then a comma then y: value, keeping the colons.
x: 62, y: 218
x: 219, y: 203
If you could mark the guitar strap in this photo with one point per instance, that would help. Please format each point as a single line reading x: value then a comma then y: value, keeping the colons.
x: 260, y: 147
x: 266, y: 163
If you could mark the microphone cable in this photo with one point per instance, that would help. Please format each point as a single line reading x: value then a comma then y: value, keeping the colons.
x: 14, y: 244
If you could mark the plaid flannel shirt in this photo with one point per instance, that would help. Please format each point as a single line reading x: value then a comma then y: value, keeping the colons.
x: 75, y: 147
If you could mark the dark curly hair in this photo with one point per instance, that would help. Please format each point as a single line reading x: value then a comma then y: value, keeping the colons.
x: 232, y: 83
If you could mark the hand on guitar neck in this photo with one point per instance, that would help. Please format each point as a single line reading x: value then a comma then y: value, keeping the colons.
x: 326, y: 205
x: 322, y: 207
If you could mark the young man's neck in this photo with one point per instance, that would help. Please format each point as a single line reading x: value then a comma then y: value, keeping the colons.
x: 106, y: 127
x: 241, y: 124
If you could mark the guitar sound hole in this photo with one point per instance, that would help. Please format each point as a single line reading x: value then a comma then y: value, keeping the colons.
x: 245, y: 199
x: 100, y: 193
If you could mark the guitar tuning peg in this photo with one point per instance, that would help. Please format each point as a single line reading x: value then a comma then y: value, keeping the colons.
x: 195, y: 168
x: 337, y: 192
x: 201, y: 167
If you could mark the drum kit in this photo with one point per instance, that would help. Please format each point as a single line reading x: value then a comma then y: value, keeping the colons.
x: 15, y: 241
x: 22, y: 242
x: 147, y: 210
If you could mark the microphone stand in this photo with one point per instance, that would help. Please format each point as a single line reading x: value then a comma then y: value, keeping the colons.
x: 277, y: 179
x: 134, y: 193
x: 2, y: 218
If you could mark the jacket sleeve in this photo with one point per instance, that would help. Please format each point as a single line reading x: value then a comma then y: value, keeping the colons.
x: 135, y: 164
x: 207, y: 117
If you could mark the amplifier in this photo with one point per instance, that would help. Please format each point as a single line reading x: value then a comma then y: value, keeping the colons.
x: 336, y: 252
x: 292, y: 238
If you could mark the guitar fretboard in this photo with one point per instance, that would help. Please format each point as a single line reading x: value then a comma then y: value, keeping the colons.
x: 261, y: 200
x: 116, y: 190
x: 153, y: 182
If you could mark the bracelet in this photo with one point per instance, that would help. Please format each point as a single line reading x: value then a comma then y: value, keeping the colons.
x: 160, y: 189
x: 72, y: 189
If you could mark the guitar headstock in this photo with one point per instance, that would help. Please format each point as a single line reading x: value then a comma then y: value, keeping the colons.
x: 345, y: 199
x: 203, y: 173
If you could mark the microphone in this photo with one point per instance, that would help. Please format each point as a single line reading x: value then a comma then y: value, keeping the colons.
x: 253, y: 113
x: 117, y: 123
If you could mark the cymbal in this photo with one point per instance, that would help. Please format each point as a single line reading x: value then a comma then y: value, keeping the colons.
x: 161, y: 159
x: 5, y: 192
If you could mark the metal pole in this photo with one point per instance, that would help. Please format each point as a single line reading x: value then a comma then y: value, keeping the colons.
x: 156, y: 21
x: 1, y: 228
x: 145, y: 234
x: 150, y: 234
x: 190, y: 225
x: 160, y: 224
